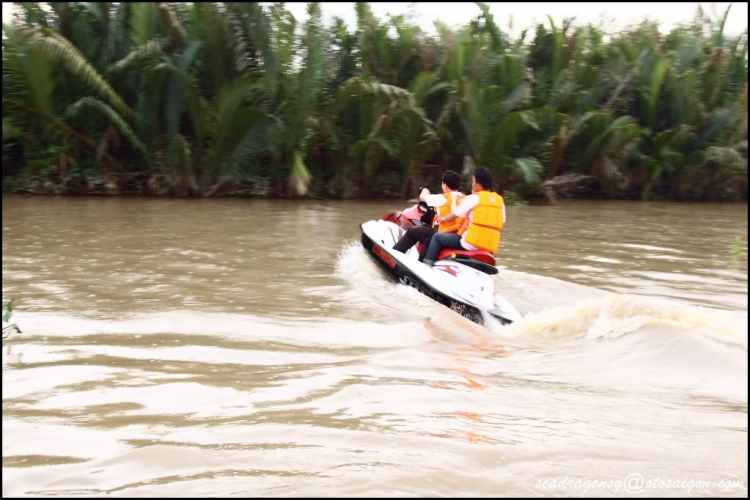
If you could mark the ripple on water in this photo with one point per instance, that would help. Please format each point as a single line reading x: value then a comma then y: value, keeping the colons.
x: 339, y: 380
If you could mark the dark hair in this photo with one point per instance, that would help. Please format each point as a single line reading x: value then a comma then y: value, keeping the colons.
x: 484, y: 177
x: 452, y: 179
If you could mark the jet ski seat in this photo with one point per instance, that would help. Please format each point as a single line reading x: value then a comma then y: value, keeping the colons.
x: 480, y: 255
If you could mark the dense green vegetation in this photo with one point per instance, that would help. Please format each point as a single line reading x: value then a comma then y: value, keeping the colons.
x: 201, y: 99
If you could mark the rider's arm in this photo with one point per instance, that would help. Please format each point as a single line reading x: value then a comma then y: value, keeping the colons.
x: 447, y: 218
x: 424, y: 194
x: 461, y: 210
x: 435, y: 200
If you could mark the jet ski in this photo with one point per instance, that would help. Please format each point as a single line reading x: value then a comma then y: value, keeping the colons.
x: 461, y: 280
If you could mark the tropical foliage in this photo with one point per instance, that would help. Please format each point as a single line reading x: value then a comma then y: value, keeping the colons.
x: 9, y: 327
x: 194, y: 98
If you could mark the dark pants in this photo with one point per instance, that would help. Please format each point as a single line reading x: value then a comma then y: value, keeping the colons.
x: 412, y: 236
x: 440, y: 241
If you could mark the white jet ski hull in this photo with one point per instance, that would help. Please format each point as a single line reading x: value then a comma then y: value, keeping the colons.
x: 460, y: 287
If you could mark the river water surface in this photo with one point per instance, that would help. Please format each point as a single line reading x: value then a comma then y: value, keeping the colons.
x: 251, y: 348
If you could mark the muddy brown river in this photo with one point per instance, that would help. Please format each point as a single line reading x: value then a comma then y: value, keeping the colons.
x: 239, y: 347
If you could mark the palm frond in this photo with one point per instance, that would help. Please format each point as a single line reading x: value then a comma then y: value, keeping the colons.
x: 27, y: 72
x: 657, y: 78
x: 63, y: 53
x: 139, y: 54
x: 118, y: 42
x: 235, y: 42
x: 61, y: 127
x: 530, y: 169
x: 80, y: 106
x: 144, y: 18
x: 300, y: 176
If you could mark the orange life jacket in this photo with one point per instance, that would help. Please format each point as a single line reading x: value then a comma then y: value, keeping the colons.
x: 485, y: 223
x: 444, y: 210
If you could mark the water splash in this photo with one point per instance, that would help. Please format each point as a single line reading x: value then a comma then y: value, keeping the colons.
x: 618, y: 315
x: 579, y: 312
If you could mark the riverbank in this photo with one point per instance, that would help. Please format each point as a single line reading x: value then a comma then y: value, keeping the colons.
x: 567, y: 186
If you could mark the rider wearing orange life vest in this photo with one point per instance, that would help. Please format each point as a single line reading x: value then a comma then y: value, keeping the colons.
x: 445, y: 209
x: 443, y: 202
x: 484, y: 211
